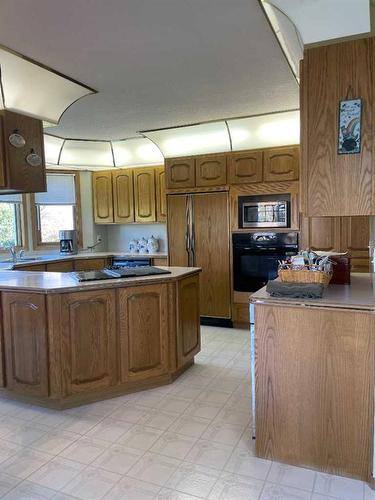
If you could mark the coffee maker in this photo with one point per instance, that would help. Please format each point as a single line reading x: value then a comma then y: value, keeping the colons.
x: 68, y: 242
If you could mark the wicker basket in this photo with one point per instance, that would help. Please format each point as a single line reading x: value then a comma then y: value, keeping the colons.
x: 304, y: 276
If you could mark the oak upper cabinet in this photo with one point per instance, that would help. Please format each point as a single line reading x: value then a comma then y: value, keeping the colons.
x: 88, y: 341
x: 144, y: 195
x: 337, y: 184
x: 161, y: 197
x: 246, y: 167
x: 143, y: 330
x: 102, y: 197
x: 321, y: 233
x: 123, y: 196
x: 188, y: 328
x: 22, y: 167
x: 25, y: 343
x: 211, y: 170
x: 180, y: 172
x: 281, y: 164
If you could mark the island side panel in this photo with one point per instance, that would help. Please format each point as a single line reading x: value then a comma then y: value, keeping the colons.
x: 314, y: 388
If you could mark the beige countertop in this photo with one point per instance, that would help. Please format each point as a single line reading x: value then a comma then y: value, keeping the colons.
x: 360, y: 294
x: 48, y: 282
x: 36, y: 259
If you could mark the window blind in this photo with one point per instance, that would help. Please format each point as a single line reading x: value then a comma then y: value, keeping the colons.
x: 11, y: 198
x: 60, y: 190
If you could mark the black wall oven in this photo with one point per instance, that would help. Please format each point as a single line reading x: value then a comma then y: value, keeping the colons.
x: 269, y: 210
x: 256, y: 256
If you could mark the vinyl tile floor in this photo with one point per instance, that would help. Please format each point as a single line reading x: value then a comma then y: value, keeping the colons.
x: 189, y: 440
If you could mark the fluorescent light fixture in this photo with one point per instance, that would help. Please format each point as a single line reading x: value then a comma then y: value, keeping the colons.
x: 287, y: 35
x: 278, y: 129
x: 34, y: 90
x: 52, y: 148
x: 192, y: 140
x: 86, y: 153
x: 137, y: 151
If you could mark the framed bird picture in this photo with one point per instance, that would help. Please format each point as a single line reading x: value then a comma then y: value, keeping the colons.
x: 349, y: 139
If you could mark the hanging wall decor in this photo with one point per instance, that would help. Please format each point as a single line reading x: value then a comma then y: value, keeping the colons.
x: 349, y: 140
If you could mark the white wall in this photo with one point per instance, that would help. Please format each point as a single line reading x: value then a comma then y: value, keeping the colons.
x: 118, y: 237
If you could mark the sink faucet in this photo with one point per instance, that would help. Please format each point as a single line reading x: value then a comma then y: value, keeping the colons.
x: 13, y: 253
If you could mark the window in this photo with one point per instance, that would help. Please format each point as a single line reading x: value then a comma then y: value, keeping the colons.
x: 11, y: 221
x: 56, y: 209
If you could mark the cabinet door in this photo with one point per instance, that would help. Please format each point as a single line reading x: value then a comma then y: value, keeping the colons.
x: 188, y: 334
x: 123, y: 196
x: 20, y: 175
x: 88, y: 345
x: 211, y: 252
x: 281, y: 164
x: 161, y: 198
x: 321, y: 233
x: 102, y: 197
x: 211, y: 170
x: 180, y: 173
x: 144, y: 195
x: 143, y: 332
x: 65, y: 266
x: 355, y: 236
x: 246, y: 167
x: 177, y: 230
x: 89, y: 264
x: 25, y: 341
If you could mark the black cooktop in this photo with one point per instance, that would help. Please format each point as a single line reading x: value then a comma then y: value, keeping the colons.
x: 114, y: 272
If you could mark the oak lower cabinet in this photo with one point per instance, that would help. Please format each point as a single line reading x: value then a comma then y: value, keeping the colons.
x: 88, y: 341
x: 90, y: 264
x: 339, y: 234
x: 123, y: 196
x: 143, y: 330
x: 102, y: 197
x: 25, y: 343
x: 66, y: 266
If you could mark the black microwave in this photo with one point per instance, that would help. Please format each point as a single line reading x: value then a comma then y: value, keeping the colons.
x: 269, y: 210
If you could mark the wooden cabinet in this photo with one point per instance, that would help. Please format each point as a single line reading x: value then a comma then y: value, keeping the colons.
x: 177, y: 230
x: 246, y: 167
x: 180, y: 172
x: 89, y: 264
x: 65, y: 266
x: 281, y: 164
x: 339, y: 234
x: 88, y: 341
x: 161, y: 198
x: 188, y: 336
x: 211, y: 170
x: 32, y: 267
x: 123, y: 196
x: 102, y: 197
x: 337, y: 184
x: 160, y: 261
x: 16, y: 173
x: 25, y: 342
x: 144, y: 195
x: 143, y: 332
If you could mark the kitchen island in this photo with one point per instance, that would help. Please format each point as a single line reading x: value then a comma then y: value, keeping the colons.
x: 64, y: 343
x: 315, y: 378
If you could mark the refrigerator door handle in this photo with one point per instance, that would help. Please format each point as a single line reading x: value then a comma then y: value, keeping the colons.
x: 193, y: 231
x: 188, y: 226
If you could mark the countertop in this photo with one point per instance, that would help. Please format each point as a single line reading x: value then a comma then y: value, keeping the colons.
x: 42, y: 259
x: 48, y: 282
x: 360, y: 294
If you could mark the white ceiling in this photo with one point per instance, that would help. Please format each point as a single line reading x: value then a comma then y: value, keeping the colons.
x: 155, y: 63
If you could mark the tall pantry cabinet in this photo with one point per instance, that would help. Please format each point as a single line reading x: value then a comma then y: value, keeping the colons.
x: 198, y: 235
